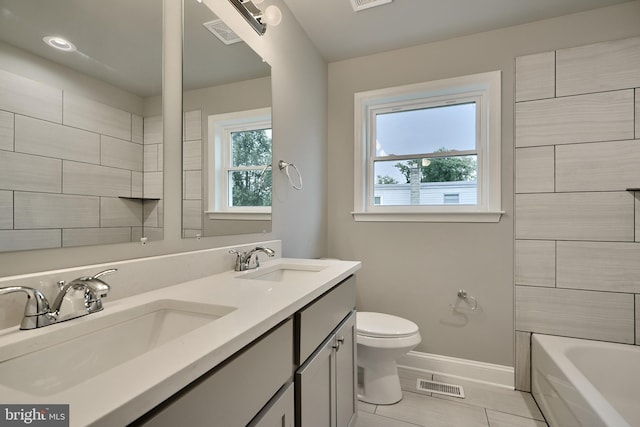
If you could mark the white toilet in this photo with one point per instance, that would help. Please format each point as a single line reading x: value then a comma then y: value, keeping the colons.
x: 382, y: 338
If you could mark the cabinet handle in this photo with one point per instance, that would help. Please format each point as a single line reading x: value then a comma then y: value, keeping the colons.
x: 340, y: 341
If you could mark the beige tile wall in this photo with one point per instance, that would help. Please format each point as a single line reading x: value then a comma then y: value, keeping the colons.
x: 535, y: 170
x: 6, y: 130
x: 23, y: 172
x: 43, y: 210
x: 535, y: 76
x: 192, y: 174
x: 604, y: 116
x: 20, y: 240
x: 6, y: 210
x: 637, y: 113
x: 535, y: 262
x: 42, y: 138
x: 637, y: 319
x: 605, y: 216
x: 637, y: 196
x: 30, y: 98
x: 577, y: 261
x: 597, y: 68
x: 65, y: 163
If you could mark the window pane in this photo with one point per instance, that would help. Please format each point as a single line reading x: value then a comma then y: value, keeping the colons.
x: 426, y: 181
x: 426, y: 130
x: 251, y: 148
x: 452, y: 199
x: 250, y: 188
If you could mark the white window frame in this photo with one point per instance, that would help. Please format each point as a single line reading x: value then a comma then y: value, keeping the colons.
x: 219, y: 149
x: 485, y: 89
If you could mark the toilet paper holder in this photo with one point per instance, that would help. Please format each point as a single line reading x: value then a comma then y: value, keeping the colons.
x: 463, y: 295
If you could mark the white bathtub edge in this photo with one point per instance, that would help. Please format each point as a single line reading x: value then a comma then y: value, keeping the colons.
x: 579, y: 403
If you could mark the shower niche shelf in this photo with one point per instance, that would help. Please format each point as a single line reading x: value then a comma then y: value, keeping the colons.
x: 142, y: 199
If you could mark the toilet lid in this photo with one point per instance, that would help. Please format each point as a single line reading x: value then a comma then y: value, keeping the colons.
x: 380, y: 325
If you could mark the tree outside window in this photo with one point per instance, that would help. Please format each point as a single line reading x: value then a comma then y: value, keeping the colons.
x: 250, y: 174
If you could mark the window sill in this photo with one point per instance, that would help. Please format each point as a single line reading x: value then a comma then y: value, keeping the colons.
x: 442, y: 216
x: 240, y: 216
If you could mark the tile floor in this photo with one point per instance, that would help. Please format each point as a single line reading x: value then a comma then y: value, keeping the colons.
x: 483, y: 406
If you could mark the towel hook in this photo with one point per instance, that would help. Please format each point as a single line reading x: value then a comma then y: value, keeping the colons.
x: 463, y: 295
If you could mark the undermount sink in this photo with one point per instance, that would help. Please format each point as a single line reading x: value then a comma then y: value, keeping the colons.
x: 283, y: 272
x: 89, y: 348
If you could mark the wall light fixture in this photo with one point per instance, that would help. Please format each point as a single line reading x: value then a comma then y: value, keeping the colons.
x: 255, y: 17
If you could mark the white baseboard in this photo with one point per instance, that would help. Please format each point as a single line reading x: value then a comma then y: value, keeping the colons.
x: 469, y: 370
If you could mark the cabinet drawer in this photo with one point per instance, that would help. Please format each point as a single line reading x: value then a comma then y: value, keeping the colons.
x: 316, y: 321
x: 232, y: 394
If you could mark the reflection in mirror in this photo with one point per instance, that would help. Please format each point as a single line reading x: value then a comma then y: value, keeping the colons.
x: 227, y: 130
x: 80, y: 141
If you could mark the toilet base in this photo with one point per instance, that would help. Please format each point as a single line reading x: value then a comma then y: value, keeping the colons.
x: 380, y: 384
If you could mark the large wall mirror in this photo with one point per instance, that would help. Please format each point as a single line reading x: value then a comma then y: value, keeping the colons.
x: 80, y: 122
x: 226, y: 130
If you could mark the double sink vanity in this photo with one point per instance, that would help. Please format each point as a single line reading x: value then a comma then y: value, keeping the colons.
x: 263, y: 347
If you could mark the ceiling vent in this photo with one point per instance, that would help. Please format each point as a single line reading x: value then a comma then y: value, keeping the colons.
x: 222, y: 31
x: 359, y: 5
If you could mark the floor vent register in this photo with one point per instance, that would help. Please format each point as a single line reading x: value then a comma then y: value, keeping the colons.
x: 440, y: 388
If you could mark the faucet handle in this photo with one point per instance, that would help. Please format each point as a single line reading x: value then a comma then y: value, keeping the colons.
x: 240, y: 255
x: 36, y: 311
x: 104, y: 273
x: 37, y: 303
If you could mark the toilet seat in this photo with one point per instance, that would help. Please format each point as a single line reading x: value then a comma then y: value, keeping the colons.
x: 380, y: 325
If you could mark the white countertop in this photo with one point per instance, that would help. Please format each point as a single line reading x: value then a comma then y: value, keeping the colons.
x: 122, y: 394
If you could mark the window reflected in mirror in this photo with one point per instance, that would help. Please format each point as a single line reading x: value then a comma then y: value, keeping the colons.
x: 227, y: 137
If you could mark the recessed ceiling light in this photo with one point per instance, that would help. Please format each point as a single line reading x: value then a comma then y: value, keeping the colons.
x: 59, y: 43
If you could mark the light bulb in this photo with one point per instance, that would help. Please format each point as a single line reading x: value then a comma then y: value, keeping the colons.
x: 272, y: 15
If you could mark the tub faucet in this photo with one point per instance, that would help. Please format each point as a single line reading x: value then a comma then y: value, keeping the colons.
x: 243, y: 258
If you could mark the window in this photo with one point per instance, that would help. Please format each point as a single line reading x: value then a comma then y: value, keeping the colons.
x: 429, y: 152
x: 240, y: 165
x: 451, y: 199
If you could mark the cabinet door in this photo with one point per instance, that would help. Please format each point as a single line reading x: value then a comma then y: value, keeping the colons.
x: 233, y: 393
x: 346, y: 371
x: 315, y: 389
x: 279, y: 413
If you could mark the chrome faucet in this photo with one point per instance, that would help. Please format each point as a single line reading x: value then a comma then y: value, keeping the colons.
x: 91, y: 290
x: 243, y: 258
x: 36, y: 311
x: 86, y: 300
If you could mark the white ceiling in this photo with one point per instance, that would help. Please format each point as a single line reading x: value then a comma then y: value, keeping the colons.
x: 120, y: 42
x: 340, y: 33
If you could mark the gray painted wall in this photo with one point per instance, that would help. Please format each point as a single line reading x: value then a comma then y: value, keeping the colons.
x: 415, y: 270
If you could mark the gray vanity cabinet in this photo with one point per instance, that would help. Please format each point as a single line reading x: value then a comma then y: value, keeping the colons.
x: 326, y: 380
x: 346, y: 373
x: 301, y: 373
x: 278, y: 413
x: 235, y: 392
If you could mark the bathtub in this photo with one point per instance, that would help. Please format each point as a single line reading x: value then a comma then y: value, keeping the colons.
x: 586, y: 383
